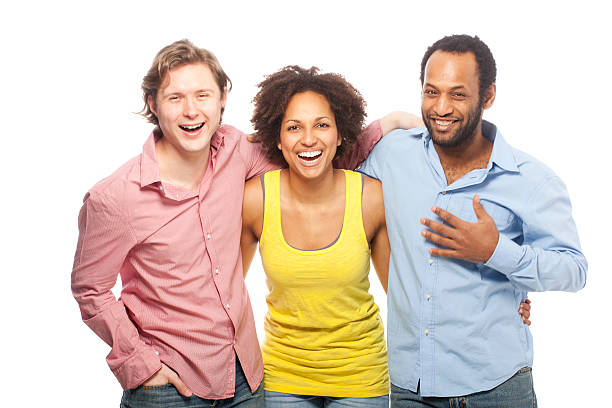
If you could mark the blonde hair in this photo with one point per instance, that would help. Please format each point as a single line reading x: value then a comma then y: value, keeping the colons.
x: 179, y: 53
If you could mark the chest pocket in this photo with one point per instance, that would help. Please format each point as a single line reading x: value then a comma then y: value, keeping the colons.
x: 502, y: 216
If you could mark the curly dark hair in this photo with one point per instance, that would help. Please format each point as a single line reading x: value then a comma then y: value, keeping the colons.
x: 277, y: 89
x: 462, y: 44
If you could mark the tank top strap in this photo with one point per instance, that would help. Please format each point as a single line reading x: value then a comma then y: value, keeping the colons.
x: 271, y: 228
x: 353, y: 218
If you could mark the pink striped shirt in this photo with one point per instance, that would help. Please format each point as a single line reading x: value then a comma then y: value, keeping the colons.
x: 183, y: 300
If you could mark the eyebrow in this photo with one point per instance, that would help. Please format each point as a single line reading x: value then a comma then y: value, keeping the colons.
x: 454, y: 88
x: 316, y: 119
x: 164, y: 93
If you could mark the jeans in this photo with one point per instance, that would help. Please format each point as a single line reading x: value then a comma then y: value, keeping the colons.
x: 167, y: 396
x: 280, y: 400
x: 516, y: 392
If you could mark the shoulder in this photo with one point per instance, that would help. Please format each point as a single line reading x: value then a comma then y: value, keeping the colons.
x: 119, y: 187
x: 230, y: 133
x: 252, y: 203
x: 253, y: 186
x: 402, y: 137
x: 395, y: 145
x: 530, y: 167
x: 372, y: 197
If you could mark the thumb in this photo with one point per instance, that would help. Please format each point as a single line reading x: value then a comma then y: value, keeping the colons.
x: 180, y: 385
x: 480, y: 212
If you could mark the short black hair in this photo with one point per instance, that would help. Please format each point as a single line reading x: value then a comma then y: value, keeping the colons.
x: 461, y: 44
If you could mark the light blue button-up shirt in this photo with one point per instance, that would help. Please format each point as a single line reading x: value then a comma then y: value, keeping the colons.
x: 453, y: 325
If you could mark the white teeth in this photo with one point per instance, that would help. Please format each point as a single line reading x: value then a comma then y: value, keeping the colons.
x: 310, y: 154
x: 443, y: 122
x: 192, y: 127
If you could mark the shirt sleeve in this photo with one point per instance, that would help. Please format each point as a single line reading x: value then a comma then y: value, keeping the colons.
x: 104, y: 242
x: 360, y: 150
x: 549, y: 258
x: 255, y: 159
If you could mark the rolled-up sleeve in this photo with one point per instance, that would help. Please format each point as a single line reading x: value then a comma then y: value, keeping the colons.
x: 105, y: 239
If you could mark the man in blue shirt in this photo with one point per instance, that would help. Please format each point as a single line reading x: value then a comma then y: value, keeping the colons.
x: 474, y: 225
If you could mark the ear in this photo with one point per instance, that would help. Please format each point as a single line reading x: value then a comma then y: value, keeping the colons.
x: 339, y: 140
x: 490, y: 98
x: 279, y: 145
x: 151, y: 104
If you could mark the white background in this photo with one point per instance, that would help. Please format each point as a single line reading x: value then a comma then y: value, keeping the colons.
x: 70, y: 82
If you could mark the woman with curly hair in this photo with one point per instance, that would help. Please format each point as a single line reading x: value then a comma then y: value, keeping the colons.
x: 317, y: 227
x: 324, y: 340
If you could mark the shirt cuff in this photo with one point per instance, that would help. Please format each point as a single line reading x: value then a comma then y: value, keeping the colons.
x: 138, y: 368
x: 506, y: 256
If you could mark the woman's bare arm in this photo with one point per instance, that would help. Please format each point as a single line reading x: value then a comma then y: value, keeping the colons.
x: 373, y: 210
x: 252, y: 220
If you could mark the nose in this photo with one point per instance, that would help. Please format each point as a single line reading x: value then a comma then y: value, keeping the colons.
x: 308, y: 137
x: 443, y: 106
x: 189, y: 108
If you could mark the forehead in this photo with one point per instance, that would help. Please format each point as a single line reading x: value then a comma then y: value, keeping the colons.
x: 449, y: 69
x: 188, y: 77
x: 308, y: 103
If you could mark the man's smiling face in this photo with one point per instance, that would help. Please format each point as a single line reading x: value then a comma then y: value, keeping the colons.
x: 451, y: 106
x: 188, y: 107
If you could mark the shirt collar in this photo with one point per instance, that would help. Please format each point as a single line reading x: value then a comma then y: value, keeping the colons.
x: 149, y: 167
x: 502, y: 154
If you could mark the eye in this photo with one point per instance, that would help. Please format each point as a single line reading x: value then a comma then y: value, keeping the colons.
x: 203, y: 95
x: 459, y: 95
x: 292, y: 127
x: 430, y: 92
x: 322, y: 125
x: 173, y: 98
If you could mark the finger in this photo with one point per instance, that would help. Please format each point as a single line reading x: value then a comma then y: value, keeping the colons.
x: 478, y: 209
x: 180, y: 385
x: 524, y: 312
x: 439, y: 228
x: 446, y: 253
x: 448, y: 217
x: 438, y: 239
x: 528, y: 301
x: 527, y: 322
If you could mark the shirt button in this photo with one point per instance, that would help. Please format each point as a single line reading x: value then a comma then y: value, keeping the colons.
x: 156, y: 353
x: 426, y: 332
x: 443, y: 192
x: 428, y: 296
x: 430, y: 261
x: 227, y: 305
x: 208, y: 236
x: 216, y: 271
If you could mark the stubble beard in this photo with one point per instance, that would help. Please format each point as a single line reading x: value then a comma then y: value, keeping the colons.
x: 463, y: 135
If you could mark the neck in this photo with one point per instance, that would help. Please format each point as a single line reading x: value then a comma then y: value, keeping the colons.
x: 312, y: 191
x: 457, y: 161
x: 183, y: 169
x: 477, y: 148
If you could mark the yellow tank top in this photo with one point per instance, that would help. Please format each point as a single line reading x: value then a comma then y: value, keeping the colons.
x: 323, y: 332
